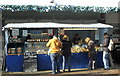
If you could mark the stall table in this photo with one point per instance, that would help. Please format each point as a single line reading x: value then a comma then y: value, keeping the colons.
x: 78, y: 60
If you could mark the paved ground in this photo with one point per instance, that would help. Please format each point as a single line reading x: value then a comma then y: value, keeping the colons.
x: 74, y: 72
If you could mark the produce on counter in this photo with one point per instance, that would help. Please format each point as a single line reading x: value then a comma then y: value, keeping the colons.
x: 78, y: 49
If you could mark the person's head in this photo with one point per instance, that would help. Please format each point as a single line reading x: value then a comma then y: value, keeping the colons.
x: 29, y: 36
x: 105, y: 34
x: 87, y: 39
x: 65, y: 37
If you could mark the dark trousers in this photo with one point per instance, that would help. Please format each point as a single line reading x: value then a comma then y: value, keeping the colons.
x: 92, y: 62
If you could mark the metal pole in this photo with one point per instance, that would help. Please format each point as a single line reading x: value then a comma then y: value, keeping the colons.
x: 6, y: 41
x: 59, y: 33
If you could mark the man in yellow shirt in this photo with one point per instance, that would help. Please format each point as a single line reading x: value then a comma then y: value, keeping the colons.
x: 55, y: 45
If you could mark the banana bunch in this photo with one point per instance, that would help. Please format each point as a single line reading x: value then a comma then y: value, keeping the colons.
x: 79, y: 49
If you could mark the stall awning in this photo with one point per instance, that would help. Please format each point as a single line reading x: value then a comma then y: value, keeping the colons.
x: 58, y: 25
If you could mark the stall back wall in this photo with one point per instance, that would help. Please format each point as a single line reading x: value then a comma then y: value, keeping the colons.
x: 82, y: 33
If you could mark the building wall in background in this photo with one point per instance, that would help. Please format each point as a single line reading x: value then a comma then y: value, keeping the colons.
x: 1, y: 51
x: 60, y: 17
x: 111, y: 18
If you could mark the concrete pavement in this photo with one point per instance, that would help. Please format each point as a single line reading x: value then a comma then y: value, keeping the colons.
x: 74, y: 72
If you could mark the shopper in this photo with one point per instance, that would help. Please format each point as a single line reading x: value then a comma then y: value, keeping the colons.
x: 66, y: 52
x: 91, y: 53
x: 111, y: 47
x: 28, y: 37
x: 55, y: 45
x: 76, y: 39
x: 105, y: 45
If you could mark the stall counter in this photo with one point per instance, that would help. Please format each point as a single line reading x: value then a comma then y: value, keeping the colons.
x: 14, y: 63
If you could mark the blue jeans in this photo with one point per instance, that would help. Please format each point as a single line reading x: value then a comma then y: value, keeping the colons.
x: 66, y: 61
x: 55, y: 58
x: 106, y: 59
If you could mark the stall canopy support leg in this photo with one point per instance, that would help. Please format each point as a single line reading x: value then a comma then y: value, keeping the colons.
x: 59, y: 33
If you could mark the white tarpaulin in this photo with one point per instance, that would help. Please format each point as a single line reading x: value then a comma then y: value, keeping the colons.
x: 57, y: 25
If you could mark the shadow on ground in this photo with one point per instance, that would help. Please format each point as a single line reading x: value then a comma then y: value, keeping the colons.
x: 61, y: 75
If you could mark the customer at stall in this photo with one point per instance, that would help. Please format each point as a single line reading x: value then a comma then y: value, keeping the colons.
x: 28, y: 37
x: 66, y: 52
x: 106, y: 56
x: 76, y: 39
x: 55, y: 45
x: 91, y: 53
x: 111, y: 47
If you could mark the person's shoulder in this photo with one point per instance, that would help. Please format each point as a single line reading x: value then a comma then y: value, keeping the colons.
x: 68, y: 42
x: 91, y: 41
x: 51, y: 40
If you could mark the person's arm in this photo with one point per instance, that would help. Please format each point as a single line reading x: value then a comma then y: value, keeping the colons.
x: 48, y: 44
x: 106, y: 43
x: 70, y: 44
x: 60, y: 44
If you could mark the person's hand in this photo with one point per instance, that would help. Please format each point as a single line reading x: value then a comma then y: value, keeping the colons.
x: 86, y: 47
x: 88, y: 54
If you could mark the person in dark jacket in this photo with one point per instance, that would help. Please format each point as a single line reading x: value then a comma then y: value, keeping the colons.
x: 66, y: 52
x: 91, y: 53
x: 76, y: 39
x: 105, y: 45
x: 28, y: 37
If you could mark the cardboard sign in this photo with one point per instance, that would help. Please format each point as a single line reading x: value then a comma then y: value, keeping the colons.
x: 25, y: 33
x: 50, y: 32
x: 15, y: 32
x: 62, y: 32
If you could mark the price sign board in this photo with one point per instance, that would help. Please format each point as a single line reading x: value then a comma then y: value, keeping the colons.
x: 30, y: 62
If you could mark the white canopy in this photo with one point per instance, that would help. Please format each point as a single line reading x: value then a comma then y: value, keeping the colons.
x: 57, y: 25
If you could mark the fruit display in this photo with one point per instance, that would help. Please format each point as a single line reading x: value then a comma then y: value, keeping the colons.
x: 15, y: 40
x: 78, y: 49
x: 11, y: 51
x: 19, y: 50
x: 97, y: 48
x: 39, y: 47
x: 37, y: 40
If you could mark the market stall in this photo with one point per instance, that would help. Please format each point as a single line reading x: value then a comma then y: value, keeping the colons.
x: 30, y: 53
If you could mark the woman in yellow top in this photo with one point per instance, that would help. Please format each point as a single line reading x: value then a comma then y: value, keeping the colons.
x: 55, y: 45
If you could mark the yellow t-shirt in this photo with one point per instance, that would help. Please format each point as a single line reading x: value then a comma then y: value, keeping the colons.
x: 54, y: 45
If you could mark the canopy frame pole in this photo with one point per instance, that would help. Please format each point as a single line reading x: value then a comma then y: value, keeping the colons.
x: 59, y: 33
x: 6, y: 41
